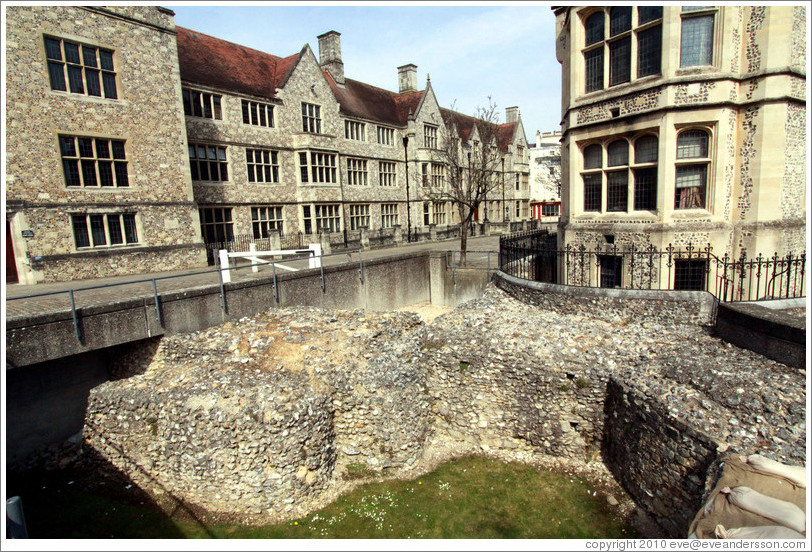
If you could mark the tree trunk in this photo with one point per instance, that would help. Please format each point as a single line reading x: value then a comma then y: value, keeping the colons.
x: 463, y: 239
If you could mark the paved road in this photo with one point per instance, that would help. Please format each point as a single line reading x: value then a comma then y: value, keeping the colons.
x: 106, y: 290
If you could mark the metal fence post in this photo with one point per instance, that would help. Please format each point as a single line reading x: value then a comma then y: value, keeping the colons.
x: 157, y: 305
x: 275, y: 288
x: 222, y: 292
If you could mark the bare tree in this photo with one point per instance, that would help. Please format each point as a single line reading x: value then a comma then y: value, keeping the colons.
x: 469, y: 150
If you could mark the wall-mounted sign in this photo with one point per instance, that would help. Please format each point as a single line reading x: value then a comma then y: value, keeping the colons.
x: 28, y: 233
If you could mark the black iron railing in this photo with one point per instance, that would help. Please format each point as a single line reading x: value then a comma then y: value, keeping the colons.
x: 535, y: 256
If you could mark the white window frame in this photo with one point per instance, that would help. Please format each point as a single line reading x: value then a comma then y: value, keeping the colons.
x: 356, y: 172
x: 265, y: 218
x: 387, y: 174
x: 311, y: 118
x: 124, y: 230
x: 386, y: 136
x: 359, y: 216
x: 355, y: 130
x: 389, y: 215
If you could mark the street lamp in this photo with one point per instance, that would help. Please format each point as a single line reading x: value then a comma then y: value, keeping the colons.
x: 504, y: 205
x: 408, y: 203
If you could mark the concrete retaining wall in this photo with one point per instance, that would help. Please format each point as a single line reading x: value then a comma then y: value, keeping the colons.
x: 50, y: 373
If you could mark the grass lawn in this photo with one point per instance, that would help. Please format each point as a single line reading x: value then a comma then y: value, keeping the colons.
x: 471, y: 497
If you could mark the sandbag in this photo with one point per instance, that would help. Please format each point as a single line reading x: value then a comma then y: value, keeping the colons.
x: 779, y: 511
x: 760, y: 532
x: 796, y: 474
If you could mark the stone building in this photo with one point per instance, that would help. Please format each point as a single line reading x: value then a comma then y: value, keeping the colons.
x: 545, y: 175
x: 300, y: 148
x: 97, y: 174
x: 684, y: 125
x: 134, y: 145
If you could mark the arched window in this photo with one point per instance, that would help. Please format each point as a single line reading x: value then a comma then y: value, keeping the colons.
x: 593, y: 157
x: 594, y: 28
x: 615, y: 175
x: 692, y: 169
x: 620, y: 20
x: 618, y: 153
x: 626, y: 26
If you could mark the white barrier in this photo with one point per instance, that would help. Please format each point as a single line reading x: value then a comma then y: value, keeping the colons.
x: 254, y: 256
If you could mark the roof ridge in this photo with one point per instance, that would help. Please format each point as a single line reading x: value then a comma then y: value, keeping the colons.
x: 235, y: 44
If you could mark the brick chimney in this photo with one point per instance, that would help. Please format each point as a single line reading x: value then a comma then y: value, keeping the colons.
x: 330, y: 55
x: 512, y: 115
x: 407, y: 78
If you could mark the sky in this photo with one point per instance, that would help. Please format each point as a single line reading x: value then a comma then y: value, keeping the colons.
x: 470, y: 52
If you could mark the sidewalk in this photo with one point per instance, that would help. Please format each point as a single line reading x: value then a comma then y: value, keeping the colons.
x: 178, y: 280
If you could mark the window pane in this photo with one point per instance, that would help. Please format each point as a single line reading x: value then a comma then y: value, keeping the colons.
x: 645, y: 149
x: 118, y: 149
x: 130, y: 232
x: 72, y: 52
x: 85, y: 147
x: 645, y: 189
x: 618, y: 153
x: 97, y: 230
x: 122, y: 178
x: 67, y: 144
x: 53, y: 49
x: 114, y: 228
x: 245, y: 118
x: 592, y: 192
x: 109, y: 82
x: 80, y: 234
x: 56, y: 72
x: 89, y: 173
x: 649, y: 51
x: 75, y: 79
x: 620, y: 20
x: 593, y: 157
x: 93, y: 83
x: 690, y: 187
x: 594, y: 28
x: 71, y: 172
x: 102, y: 149
x: 696, y: 46
x: 106, y: 173
x: 620, y: 61
x: 197, y: 104
x: 617, y: 191
x: 593, y: 61
x: 89, y: 56
x: 648, y: 13
x: 692, y: 144
x: 106, y: 58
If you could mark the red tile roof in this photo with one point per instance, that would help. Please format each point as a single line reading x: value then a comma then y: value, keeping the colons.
x: 218, y: 63
x: 504, y: 133
x: 358, y: 99
x: 465, y: 126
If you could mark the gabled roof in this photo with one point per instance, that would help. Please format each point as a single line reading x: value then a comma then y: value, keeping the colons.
x: 210, y: 61
x: 358, y: 99
x: 465, y: 126
x: 464, y: 123
x: 505, y: 133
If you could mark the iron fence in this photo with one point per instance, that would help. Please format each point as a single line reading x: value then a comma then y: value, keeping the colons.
x: 535, y: 256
